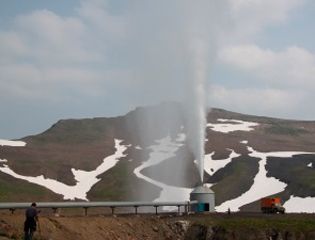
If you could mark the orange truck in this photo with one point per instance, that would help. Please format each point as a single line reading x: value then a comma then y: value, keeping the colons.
x: 271, y: 205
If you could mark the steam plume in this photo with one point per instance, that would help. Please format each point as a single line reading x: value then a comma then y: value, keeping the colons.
x: 172, y: 45
x: 196, y: 114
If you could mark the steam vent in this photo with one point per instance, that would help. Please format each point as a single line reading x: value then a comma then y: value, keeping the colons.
x: 205, y: 198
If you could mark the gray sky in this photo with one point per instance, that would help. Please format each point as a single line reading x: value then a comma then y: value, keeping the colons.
x: 89, y: 58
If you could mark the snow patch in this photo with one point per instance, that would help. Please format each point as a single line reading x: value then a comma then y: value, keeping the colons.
x: 138, y: 147
x: 232, y: 125
x: 211, y: 166
x: 3, y: 160
x: 299, y: 204
x: 263, y: 186
x: 244, y: 142
x: 310, y: 165
x: 208, y: 185
x: 85, y: 179
x: 12, y: 143
x: 164, y: 149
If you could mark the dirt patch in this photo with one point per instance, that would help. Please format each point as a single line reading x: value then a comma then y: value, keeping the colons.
x: 166, y: 226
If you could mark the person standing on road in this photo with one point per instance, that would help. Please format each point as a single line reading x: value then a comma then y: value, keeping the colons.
x: 30, y: 221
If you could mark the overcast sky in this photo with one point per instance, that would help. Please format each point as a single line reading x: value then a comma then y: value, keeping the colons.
x: 74, y: 59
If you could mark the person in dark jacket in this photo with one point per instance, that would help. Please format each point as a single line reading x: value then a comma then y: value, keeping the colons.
x: 30, y: 221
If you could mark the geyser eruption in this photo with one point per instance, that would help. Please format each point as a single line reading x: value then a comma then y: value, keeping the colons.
x: 173, y: 43
x: 196, y: 114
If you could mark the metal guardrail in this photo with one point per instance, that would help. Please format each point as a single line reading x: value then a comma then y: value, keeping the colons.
x: 86, y: 205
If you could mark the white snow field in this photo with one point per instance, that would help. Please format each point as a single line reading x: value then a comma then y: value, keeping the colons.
x: 163, y: 150
x: 212, y: 166
x: 232, y: 125
x: 85, y: 179
x: 263, y: 186
x: 12, y: 143
x: 299, y: 204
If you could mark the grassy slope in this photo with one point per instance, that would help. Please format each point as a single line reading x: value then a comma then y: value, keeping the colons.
x: 294, y: 172
x: 21, y: 191
x: 235, y: 179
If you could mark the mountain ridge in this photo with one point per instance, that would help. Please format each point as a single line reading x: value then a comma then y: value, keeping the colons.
x: 83, y: 144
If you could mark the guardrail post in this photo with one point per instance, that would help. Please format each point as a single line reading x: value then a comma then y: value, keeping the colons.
x: 113, y: 209
x: 55, y: 210
x: 12, y: 210
x: 85, y: 210
x: 156, y: 211
x: 136, y: 209
x: 178, y: 209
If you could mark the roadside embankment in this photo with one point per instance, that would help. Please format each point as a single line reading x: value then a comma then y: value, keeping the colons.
x: 166, y: 226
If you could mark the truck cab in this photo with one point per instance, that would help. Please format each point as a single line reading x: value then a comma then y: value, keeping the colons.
x: 271, y: 205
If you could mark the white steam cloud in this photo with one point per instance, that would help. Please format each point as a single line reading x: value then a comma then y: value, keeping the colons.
x: 196, y: 104
x: 174, y: 43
